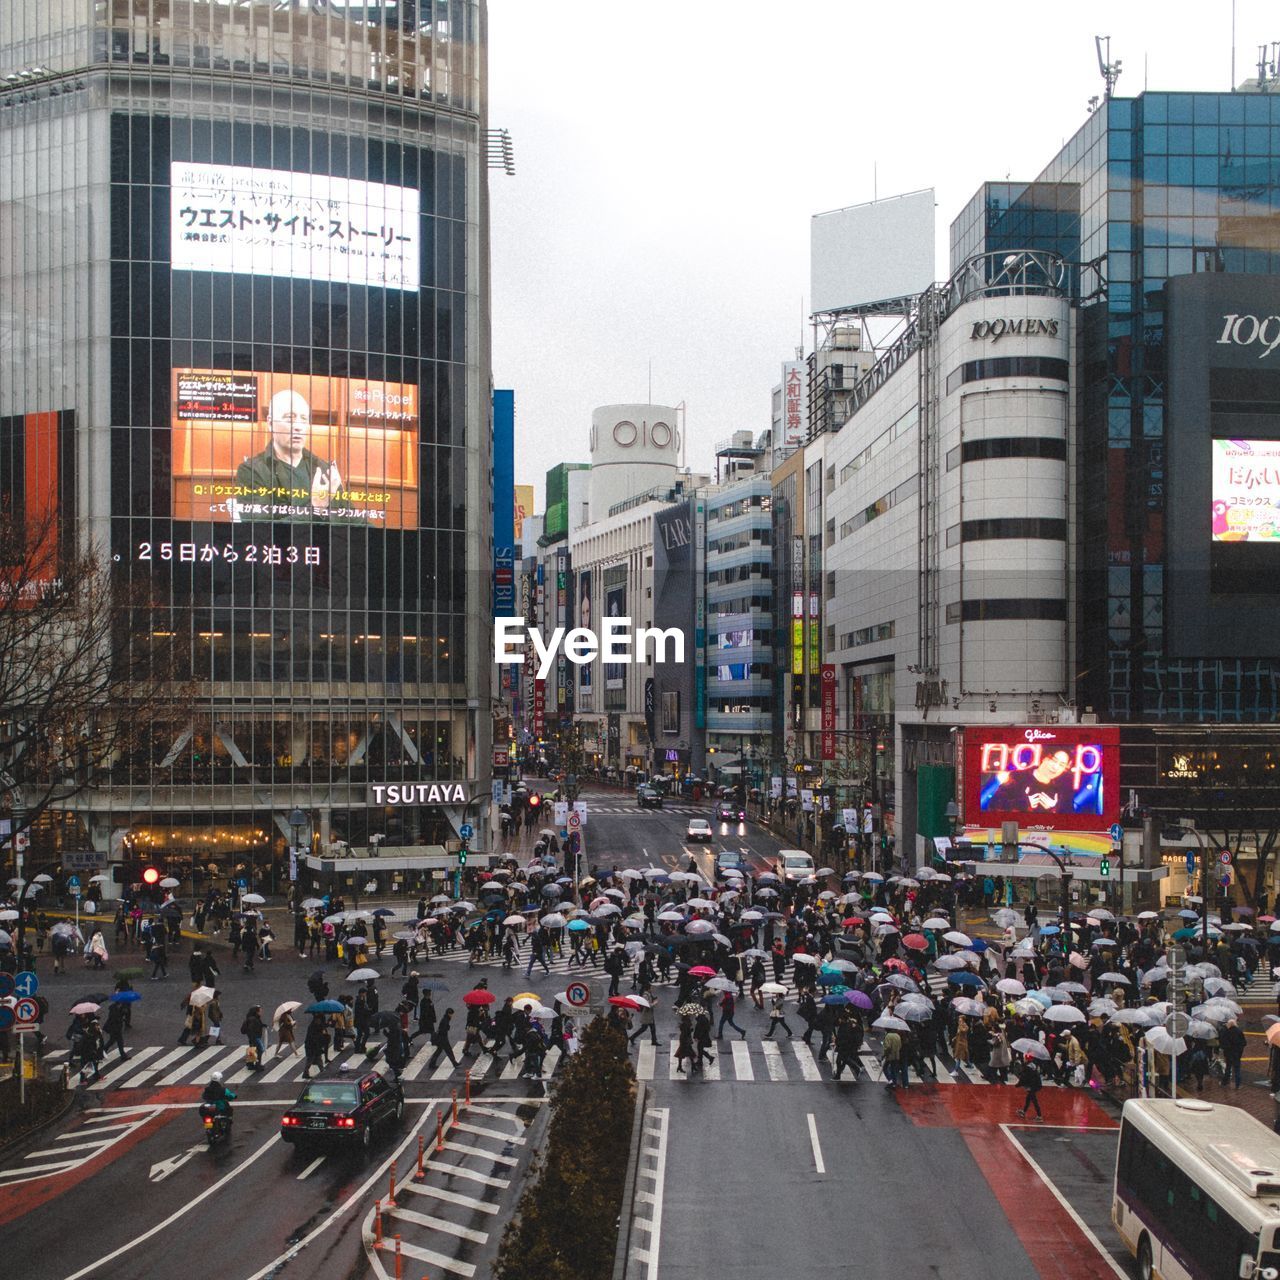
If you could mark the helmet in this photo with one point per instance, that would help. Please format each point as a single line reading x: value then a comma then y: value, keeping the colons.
x: 216, y: 1078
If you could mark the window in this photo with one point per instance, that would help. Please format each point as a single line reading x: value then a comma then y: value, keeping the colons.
x: 1008, y: 447
x: 1007, y: 367
x: 869, y: 635
x: 1009, y: 527
x: 1013, y: 609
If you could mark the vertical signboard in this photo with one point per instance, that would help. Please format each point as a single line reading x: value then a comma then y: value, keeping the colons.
x: 699, y: 615
x: 797, y: 606
x: 793, y: 410
x: 828, y: 711
x: 562, y: 620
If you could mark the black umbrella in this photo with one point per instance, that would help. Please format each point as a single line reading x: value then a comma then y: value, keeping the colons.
x: 384, y: 911
x: 386, y: 1020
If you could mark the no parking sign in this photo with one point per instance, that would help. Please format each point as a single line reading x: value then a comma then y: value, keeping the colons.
x: 578, y: 994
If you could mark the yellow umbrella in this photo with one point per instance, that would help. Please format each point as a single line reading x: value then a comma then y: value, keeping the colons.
x: 528, y: 995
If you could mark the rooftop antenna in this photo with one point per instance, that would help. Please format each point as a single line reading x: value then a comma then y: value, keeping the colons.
x: 1266, y: 69
x: 1110, y: 70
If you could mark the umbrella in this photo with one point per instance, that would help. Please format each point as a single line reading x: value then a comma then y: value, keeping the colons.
x: 325, y: 1006
x: 860, y: 1000
x: 913, y: 1012
x: 1219, y: 987
x: 1030, y: 1048
x: 900, y: 982
x: 916, y: 941
x: 1101, y: 913
x: 623, y: 1002
x: 1162, y: 1042
x: 803, y: 957
x: 1273, y: 1033
x: 1048, y: 929
x: 288, y: 1006
x: 358, y: 940
x: 1102, y: 1007
x: 718, y: 984
x: 690, y: 1010
x: 310, y: 904
x: 702, y: 971
x: 697, y: 926
x: 99, y: 878
x: 125, y: 997
x: 966, y: 980
x: 479, y: 997
x: 8, y: 915
x: 969, y: 1008
x: 85, y: 1006
x: 201, y: 996
x: 1072, y: 988
x: 937, y: 922
x: 834, y: 999
x: 170, y: 883
x: 773, y: 989
x: 1011, y: 987
x: 1064, y: 1013
x: 1198, y: 1029
x: 1004, y: 918
x: 958, y: 938
x: 1121, y: 978
x: 1077, y: 961
x: 579, y: 926
x: 43, y: 878
x: 360, y: 975
x: 944, y: 963
x: 671, y: 917
x: 251, y: 899
x: 1148, y: 915
x: 383, y: 911
x: 886, y: 1022
x: 554, y: 920
x: 1134, y: 1017
x: 631, y: 874
x: 1028, y: 1008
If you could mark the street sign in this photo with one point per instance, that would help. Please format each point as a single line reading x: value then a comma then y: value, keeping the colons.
x: 1225, y: 857
x: 560, y: 811
x: 466, y: 831
x: 1177, y: 1024
x: 578, y: 994
x: 1191, y: 862
x: 575, y: 821
x: 6, y: 1018
x: 75, y: 891
x: 1117, y: 831
x: 26, y: 983
x: 73, y: 882
x: 6, y: 985
x: 26, y: 1010
x: 580, y: 808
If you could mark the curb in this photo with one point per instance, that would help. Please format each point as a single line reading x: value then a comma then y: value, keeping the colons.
x: 623, y: 1253
x: 8, y: 1147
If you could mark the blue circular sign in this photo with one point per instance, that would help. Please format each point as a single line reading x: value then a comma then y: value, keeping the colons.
x: 26, y: 983
x: 6, y: 985
x: 466, y: 831
x: 6, y: 1018
x: 73, y: 882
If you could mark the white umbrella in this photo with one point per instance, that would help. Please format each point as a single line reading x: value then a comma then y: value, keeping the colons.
x: 554, y: 920
x: 670, y: 917
x: 1148, y: 915
x: 803, y: 957
x: 718, y: 984
x: 360, y: 975
x: 886, y: 1022
x: 945, y: 964
x: 874, y: 876
x: 699, y: 926
x: 958, y: 938
x: 631, y: 874
x: 936, y: 922
x: 700, y: 904
x: 1134, y: 1017
x: 772, y: 989
x: 201, y: 996
x: 1101, y: 913
x: 43, y: 878
x: 1064, y: 1013
x: 8, y: 914
x: 310, y: 904
x: 1102, y: 1007
x: 252, y: 899
x: 1028, y: 1008
x: 1011, y: 987
x: 171, y: 882
x: 1120, y: 978
x: 1162, y: 1042
x: 1004, y: 918
x: 751, y: 917
x: 287, y: 1007
x: 98, y: 879
x: 513, y: 920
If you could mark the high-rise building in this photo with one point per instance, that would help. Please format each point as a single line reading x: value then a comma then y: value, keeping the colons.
x: 244, y: 272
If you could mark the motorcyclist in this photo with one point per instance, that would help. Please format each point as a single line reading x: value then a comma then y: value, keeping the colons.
x: 216, y: 1094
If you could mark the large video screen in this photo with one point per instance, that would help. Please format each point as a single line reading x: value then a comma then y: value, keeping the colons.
x: 1246, y: 491
x: 273, y: 222
x: 257, y: 447
x: 1056, y: 777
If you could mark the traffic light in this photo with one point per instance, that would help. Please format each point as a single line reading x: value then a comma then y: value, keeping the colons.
x: 1105, y: 867
x: 150, y: 876
x: 462, y: 856
x: 535, y: 801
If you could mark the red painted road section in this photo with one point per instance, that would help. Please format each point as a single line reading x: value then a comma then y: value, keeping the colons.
x: 1051, y: 1237
x: 28, y: 1196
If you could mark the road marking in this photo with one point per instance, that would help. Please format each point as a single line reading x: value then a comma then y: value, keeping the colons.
x: 159, y: 1065
x: 871, y: 1065
x: 645, y: 1062
x: 452, y: 1197
x: 163, y: 1168
x: 1062, y: 1200
x: 467, y: 1150
x: 457, y: 1171
x: 418, y: 1061
x: 657, y: 1149
x: 207, y: 1054
x: 447, y: 1068
x: 438, y: 1260
x: 179, y: 1213
x: 711, y: 1069
x: 808, y: 1065
x: 311, y: 1168
x: 282, y: 1067
x: 813, y: 1141
x: 138, y: 1056
x: 25, y: 1169
x: 511, y: 1070
x: 742, y: 1061
x: 57, y: 1151
x: 440, y: 1224
x: 463, y: 1127
x: 773, y: 1060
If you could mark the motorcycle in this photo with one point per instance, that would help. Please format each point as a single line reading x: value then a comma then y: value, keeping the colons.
x: 217, y: 1124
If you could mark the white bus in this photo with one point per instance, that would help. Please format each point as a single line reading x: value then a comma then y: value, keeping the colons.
x: 1197, y: 1191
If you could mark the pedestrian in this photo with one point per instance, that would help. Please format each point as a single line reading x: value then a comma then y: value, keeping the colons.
x: 684, y: 1044
x: 1029, y: 1079
x: 286, y: 1031
x: 777, y: 1019
x: 363, y: 1016
x: 113, y: 1028
x: 265, y: 938
x: 728, y: 1007
x: 960, y: 1043
x: 891, y: 1052
x: 1232, y: 1043
x: 253, y: 1029
x: 95, y: 955
x: 159, y: 959
x: 426, y: 1017
x: 538, y: 953
x: 440, y: 1038
x: 315, y: 1045
x: 702, y: 1041
x: 848, y: 1047
x: 757, y: 982
x: 189, y: 1012
x: 91, y: 1048
x: 211, y: 1027
x: 647, y: 1023
x: 400, y: 954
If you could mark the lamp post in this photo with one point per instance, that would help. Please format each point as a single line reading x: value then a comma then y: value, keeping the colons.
x: 297, y: 820
x: 1204, y: 884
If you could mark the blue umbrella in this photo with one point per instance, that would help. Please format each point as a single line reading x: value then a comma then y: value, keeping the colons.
x: 384, y: 911
x: 1040, y: 997
x: 125, y: 997
x: 834, y: 999
x: 578, y: 926
x: 325, y: 1006
x: 978, y: 945
x: 1050, y: 928
x: 963, y: 979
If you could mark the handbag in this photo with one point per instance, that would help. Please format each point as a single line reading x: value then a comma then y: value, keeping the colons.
x: 1078, y: 1076
x: 251, y: 1055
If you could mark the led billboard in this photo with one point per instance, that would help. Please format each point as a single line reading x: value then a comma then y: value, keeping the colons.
x: 250, y: 447
x: 1246, y: 491
x: 1057, y: 777
x: 274, y: 222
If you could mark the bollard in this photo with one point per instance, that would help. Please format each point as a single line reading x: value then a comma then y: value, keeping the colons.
x: 391, y: 1195
x: 399, y: 1261
x: 377, y: 1224
x: 439, y: 1130
x: 421, y: 1174
x: 455, y: 1105
x: 467, y: 1095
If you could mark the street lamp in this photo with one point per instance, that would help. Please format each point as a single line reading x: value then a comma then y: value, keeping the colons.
x: 297, y: 820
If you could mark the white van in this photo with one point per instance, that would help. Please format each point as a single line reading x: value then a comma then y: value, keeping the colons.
x: 794, y: 864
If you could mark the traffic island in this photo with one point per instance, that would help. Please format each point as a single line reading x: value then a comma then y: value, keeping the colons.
x: 45, y: 1102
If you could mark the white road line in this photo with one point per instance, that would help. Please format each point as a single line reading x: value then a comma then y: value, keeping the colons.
x: 470, y: 1175
x: 813, y: 1141
x: 437, y: 1260
x: 440, y: 1224
x: 75, y: 1146
x: 25, y: 1169
x: 138, y: 1057
x: 742, y: 1061
x: 712, y: 1069
x: 468, y: 1150
x: 871, y: 1065
x: 452, y: 1197
x: 282, y: 1067
x: 773, y: 1060
x: 185, y: 1209
x: 1062, y: 1200
x: 482, y: 1065
x: 159, y: 1065
x: 645, y: 1062
x: 207, y: 1054
x: 657, y: 1148
x: 446, y: 1068
x: 808, y: 1064
x: 511, y: 1070
x: 311, y: 1168
x: 464, y: 1127
x: 418, y: 1061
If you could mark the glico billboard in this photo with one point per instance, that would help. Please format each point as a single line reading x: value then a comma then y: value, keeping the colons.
x: 1054, y: 777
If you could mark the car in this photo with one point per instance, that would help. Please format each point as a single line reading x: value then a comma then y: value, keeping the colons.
x: 342, y: 1109
x: 729, y: 860
x: 698, y: 829
x: 648, y: 797
x: 794, y: 864
x: 730, y: 811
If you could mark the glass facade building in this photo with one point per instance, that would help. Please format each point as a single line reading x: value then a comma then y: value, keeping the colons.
x: 243, y: 278
x: 1150, y: 189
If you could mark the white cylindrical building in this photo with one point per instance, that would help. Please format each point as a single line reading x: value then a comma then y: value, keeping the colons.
x: 634, y: 448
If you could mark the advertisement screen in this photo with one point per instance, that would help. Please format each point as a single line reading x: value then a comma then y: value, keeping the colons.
x: 271, y: 222
x: 33, y: 477
x: 251, y: 447
x: 1058, y: 777
x: 1246, y: 491
x: 615, y: 606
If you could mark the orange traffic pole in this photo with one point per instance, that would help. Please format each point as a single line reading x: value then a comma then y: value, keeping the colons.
x: 377, y: 1224
x: 455, y: 1105
x: 391, y: 1195
x: 399, y: 1261
x: 421, y: 1173
x: 439, y: 1130
x: 467, y: 1095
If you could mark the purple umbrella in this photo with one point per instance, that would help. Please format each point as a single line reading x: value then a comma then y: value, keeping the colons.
x: 860, y: 999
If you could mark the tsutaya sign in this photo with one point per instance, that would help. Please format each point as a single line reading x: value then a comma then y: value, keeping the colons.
x: 412, y: 793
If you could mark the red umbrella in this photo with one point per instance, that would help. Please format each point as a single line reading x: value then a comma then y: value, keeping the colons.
x: 852, y: 922
x: 894, y: 963
x: 702, y: 971
x: 624, y: 1002
x: 479, y: 997
x: 916, y: 941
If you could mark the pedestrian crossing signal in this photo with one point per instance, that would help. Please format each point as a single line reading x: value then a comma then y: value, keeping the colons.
x: 1105, y: 867
x: 462, y: 856
x: 150, y: 876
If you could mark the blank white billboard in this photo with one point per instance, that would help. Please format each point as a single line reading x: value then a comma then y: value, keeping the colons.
x: 272, y: 222
x: 871, y: 252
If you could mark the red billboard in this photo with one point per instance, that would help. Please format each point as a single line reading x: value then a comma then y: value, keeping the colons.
x: 1052, y: 777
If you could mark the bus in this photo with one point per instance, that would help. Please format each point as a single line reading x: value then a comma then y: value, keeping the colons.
x: 1197, y: 1191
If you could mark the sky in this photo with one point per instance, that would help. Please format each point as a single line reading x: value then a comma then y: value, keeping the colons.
x: 653, y: 245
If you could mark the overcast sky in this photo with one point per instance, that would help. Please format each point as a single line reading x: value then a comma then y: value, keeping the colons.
x: 670, y: 154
